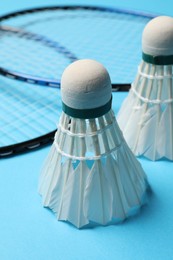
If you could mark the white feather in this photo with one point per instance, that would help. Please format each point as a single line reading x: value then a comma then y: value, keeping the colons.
x: 95, y: 178
x: 165, y: 144
x: 146, y: 115
x: 72, y: 203
x: 98, y: 196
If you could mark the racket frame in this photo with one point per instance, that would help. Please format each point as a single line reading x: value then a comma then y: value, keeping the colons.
x: 46, y: 139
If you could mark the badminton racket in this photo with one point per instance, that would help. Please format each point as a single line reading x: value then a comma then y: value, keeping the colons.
x: 35, y: 47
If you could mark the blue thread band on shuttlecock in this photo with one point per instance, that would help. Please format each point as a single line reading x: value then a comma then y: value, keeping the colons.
x: 87, y: 113
x: 158, y: 60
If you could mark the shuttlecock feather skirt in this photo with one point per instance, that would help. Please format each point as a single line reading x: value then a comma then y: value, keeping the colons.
x: 90, y: 175
x: 146, y: 115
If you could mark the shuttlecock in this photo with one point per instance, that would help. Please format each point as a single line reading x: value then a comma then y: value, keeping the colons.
x: 90, y: 176
x: 146, y: 115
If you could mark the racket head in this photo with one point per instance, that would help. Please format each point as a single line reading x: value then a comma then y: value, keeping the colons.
x: 111, y: 36
x: 52, y: 37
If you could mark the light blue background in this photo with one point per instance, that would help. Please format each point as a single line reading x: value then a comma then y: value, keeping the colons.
x: 28, y: 231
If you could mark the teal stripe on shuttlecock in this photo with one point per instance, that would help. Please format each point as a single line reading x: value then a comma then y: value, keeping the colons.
x: 158, y: 60
x: 87, y: 113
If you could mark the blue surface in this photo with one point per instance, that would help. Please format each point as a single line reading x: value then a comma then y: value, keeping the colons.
x: 28, y: 231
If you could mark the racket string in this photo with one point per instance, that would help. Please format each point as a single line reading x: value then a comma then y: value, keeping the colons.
x: 26, y: 114
x: 38, y: 47
x: 71, y: 27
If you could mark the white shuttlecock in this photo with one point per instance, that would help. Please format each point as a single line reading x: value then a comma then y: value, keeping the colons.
x: 91, y: 175
x: 146, y: 115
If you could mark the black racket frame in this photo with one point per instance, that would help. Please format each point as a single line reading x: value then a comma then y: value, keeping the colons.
x: 46, y: 139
